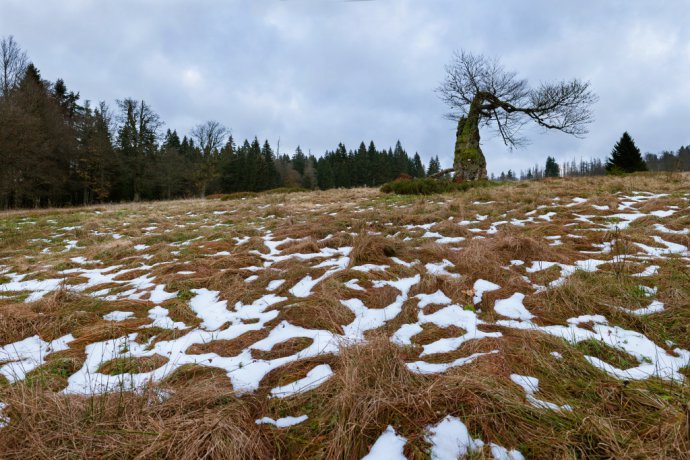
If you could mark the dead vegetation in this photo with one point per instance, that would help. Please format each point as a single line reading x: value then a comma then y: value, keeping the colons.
x: 194, y: 412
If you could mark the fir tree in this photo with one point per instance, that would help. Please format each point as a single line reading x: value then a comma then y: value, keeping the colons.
x: 625, y: 157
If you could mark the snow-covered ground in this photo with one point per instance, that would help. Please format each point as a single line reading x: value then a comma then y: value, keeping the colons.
x: 140, y: 277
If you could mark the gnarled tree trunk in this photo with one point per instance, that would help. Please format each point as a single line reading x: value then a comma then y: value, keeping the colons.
x: 469, y: 163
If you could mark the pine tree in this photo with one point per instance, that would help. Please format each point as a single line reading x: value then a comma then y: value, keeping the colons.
x: 625, y: 157
x: 551, y: 169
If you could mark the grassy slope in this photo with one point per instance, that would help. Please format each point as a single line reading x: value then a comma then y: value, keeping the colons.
x: 372, y: 387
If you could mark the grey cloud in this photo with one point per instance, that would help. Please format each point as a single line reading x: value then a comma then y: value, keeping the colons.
x: 316, y: 72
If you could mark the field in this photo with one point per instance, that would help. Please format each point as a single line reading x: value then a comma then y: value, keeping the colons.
x: 544, y: 319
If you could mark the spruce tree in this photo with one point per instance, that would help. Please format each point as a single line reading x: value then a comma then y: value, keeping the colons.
x: 551, y: 169
x: 625, y: 157
x: 434, y: 166
x: 418, y: 167
x: 299, y: 160
x: 324, y: 174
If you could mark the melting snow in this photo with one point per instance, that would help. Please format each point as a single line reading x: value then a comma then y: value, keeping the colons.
x: 282, y: 422
x: 314, y: 378
x: 389, y: 446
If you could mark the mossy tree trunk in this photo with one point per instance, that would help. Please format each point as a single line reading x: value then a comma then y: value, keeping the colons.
x: 469, y: 163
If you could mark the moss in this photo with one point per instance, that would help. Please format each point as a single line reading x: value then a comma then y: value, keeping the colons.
x: 469, y: 162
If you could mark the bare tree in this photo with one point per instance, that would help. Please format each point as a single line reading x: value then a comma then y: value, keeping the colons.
x: 210, y: 136
x: 13, y: 63
x: 481, y: 93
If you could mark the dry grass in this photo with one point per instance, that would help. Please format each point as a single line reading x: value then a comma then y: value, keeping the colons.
x: 207, y: 422
x: 229, y: 347
x: 195, y: 413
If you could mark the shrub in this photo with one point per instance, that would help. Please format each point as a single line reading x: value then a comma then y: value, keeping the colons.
x: 238, y: 196
x: 286, y: 190
x: 428, y: 186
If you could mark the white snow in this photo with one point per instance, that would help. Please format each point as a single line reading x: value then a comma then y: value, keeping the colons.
x: 389, y: 446
x: 274, y: 284
x: 512, y: 307
x: 450, y: 440
x: 422, y: 367
x: 314, y: 378
x: 282, y: 422
x: 482, y: 286
x: 530, y: 385
x: 439, y: 269
x: 654, y: 307
x: 437, y: 298
x: 26, y: 355
x: 118, y: 315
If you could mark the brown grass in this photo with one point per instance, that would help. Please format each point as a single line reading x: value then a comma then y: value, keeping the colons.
x: 208, y: 422
x: 195, y: 413
x: 231, y: 347
x: 131, y: 365
x: 374, y: 249
x: 283, y: 349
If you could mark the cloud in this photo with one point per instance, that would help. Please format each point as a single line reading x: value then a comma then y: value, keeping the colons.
x: 318, y: 72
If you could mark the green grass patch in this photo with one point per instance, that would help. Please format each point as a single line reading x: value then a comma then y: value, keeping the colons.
x: 613, y: 356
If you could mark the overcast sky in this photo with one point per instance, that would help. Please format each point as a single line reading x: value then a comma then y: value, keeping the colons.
x: 318, y: 72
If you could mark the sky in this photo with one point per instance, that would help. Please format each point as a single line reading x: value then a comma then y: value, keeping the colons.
x: 318, y: 72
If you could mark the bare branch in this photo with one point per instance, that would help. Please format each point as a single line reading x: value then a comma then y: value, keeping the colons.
x: 507, y: 103
x: 13, y: 62
x: 211, y: 136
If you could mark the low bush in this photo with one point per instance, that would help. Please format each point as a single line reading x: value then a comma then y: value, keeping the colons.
x: 240, y: 195
x: 428, y: 186
x: 286, y: 190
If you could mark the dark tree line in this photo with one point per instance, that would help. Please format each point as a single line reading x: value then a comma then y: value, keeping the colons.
x: 664, y: 161
x: 56, y: 150
x: 669, y: 161
x: 367, y: 166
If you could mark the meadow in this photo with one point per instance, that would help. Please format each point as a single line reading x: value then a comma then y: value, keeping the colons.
x: 536, y: 319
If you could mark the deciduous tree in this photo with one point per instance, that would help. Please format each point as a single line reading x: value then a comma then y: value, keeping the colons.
x: 480, y: 92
